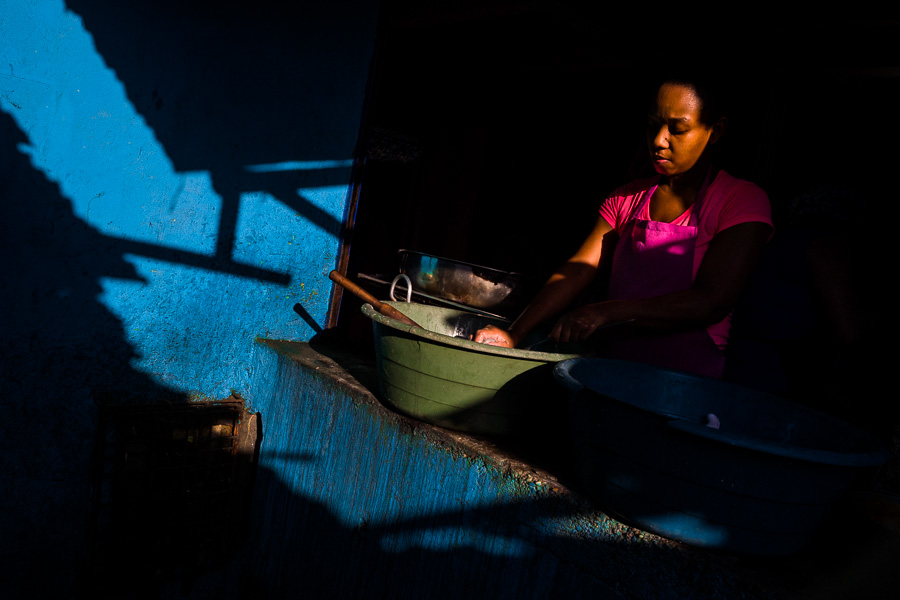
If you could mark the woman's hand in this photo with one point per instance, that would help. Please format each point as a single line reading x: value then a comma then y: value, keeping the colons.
x: 579, y: 324
x: 494, y: 336
x: 571, y: 279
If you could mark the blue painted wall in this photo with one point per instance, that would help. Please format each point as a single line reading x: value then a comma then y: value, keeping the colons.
x: 355, y: 501
x: 173, y: 180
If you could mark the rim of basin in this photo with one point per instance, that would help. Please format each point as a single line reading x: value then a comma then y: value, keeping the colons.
x: 449, y: 340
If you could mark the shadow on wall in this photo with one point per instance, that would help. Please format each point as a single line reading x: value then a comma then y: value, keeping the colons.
x: 243, y: 94
x: 220, y: 96
x: 497, y: 550
x: 298, y: 543
x: 63, y: 354
x: 511, y: 550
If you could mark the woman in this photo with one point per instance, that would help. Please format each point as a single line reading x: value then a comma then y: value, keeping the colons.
x: 686, y: 243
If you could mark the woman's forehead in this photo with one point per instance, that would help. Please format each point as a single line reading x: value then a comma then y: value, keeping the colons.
x: 677, y: 101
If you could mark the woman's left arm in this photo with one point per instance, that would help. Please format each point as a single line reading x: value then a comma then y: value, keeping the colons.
x: 726, y: 269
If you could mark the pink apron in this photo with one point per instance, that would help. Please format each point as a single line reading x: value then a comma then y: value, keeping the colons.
x: 651, y: 259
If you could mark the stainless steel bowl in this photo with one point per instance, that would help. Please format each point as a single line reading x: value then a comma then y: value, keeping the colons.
x: 465, y: 283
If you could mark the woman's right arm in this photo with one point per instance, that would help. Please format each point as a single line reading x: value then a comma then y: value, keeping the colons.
x: 563, y: 287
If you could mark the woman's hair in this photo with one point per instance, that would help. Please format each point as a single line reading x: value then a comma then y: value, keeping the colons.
x: 711, y: 85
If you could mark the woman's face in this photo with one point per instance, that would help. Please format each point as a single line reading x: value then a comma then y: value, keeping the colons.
x: 676, y: 136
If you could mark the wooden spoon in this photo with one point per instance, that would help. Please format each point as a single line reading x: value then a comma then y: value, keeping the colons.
x: 385, y: 309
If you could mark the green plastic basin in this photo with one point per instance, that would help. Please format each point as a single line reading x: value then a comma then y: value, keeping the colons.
x: 435, y: 374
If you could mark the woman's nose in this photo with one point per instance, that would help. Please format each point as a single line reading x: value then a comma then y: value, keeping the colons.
x: 661, y: 138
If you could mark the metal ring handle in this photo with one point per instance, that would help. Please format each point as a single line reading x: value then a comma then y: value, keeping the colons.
x: 408, y: 287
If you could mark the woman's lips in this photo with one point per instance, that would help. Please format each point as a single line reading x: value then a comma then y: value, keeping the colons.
x: 661, y: 164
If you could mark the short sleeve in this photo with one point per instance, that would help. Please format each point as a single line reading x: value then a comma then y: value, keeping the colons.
x: 618, y: 206
x: 739, y: 201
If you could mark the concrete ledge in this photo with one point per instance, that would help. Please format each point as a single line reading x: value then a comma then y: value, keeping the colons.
x: 426, y: 512
x: 354, y: 500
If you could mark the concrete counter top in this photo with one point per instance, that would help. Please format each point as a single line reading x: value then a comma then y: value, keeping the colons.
x: 414, y: 498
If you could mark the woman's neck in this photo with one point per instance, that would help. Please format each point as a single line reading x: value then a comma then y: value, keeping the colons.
x: 687, y: 185
x: 674, y: 195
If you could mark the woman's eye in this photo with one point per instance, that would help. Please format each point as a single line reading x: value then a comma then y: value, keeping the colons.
x: 654, y: 128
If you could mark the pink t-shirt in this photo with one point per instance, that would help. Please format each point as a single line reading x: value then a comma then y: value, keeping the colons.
x: 728, y: 202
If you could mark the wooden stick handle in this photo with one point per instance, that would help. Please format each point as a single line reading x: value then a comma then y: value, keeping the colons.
x: 385, y: 309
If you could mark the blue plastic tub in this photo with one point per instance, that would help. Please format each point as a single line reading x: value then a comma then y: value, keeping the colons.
x: 760, y: 484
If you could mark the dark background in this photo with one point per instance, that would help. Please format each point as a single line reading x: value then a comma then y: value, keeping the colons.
x: 522, y: 119
x: 492, y: 135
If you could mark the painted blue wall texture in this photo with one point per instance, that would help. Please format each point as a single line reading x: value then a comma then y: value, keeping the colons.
x: 173, y: 179
x: 355, y: 501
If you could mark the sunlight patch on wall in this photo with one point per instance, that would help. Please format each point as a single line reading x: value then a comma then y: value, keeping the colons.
x: 299, y: 165
x: 216, y: 260
x: 87, y: 137
x: 331, y: 198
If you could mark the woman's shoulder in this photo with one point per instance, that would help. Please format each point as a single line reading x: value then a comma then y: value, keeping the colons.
x: 635, y: 187
x: 619, y: 204
x: 727, y: 184
x: 734, y: 200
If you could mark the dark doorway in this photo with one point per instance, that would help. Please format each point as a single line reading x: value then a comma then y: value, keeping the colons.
x: 493, y: 131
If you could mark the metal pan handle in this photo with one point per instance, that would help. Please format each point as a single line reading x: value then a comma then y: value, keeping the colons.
x: 408, y: 287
